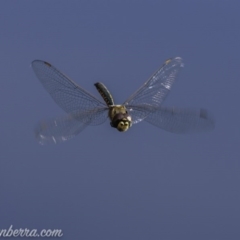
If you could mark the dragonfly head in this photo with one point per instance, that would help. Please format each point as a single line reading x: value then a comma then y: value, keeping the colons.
x: 122, y: 122
x: 123, y: 125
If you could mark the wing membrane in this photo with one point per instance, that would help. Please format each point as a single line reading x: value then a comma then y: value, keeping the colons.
x: 178, y: 120
x: 64, y: 128
x: 67, y: 94
x: 154, y: 90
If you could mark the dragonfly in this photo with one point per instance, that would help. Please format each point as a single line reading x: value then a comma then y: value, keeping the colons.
x: 83, y: 109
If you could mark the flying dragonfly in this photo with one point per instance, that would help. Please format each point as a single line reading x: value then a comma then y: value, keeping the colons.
x: 83, y: 109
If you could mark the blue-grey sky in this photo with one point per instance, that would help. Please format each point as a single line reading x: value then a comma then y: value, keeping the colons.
x: 103, y: 184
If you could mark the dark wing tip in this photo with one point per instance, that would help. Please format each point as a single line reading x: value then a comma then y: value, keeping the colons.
x: 205, y: 114
x: 40, y: 61
x: 97, y: 84
x: 48, y: 64
x: 177, y: 59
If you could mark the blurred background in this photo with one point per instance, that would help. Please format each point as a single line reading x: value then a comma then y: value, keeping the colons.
x: 142, y: 184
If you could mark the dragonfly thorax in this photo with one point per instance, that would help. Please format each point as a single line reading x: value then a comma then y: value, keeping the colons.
x: 120, y: 118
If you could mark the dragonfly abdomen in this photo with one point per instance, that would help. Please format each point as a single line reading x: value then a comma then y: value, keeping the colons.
x: 106, y: 95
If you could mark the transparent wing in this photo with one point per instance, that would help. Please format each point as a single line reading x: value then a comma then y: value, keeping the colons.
x: 64, y: 128
x: 178, y: 120
x: 154, y: 90
x: 67, y: 94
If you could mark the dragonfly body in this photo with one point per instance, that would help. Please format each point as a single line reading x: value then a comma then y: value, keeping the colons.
x: 83, y: 109
x: 118, y: 114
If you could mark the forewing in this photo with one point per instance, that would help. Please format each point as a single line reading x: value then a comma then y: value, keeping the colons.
x: 178, y: 120
x: 154, y: 90
x: 67, y: 94
x: 64, y: 128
